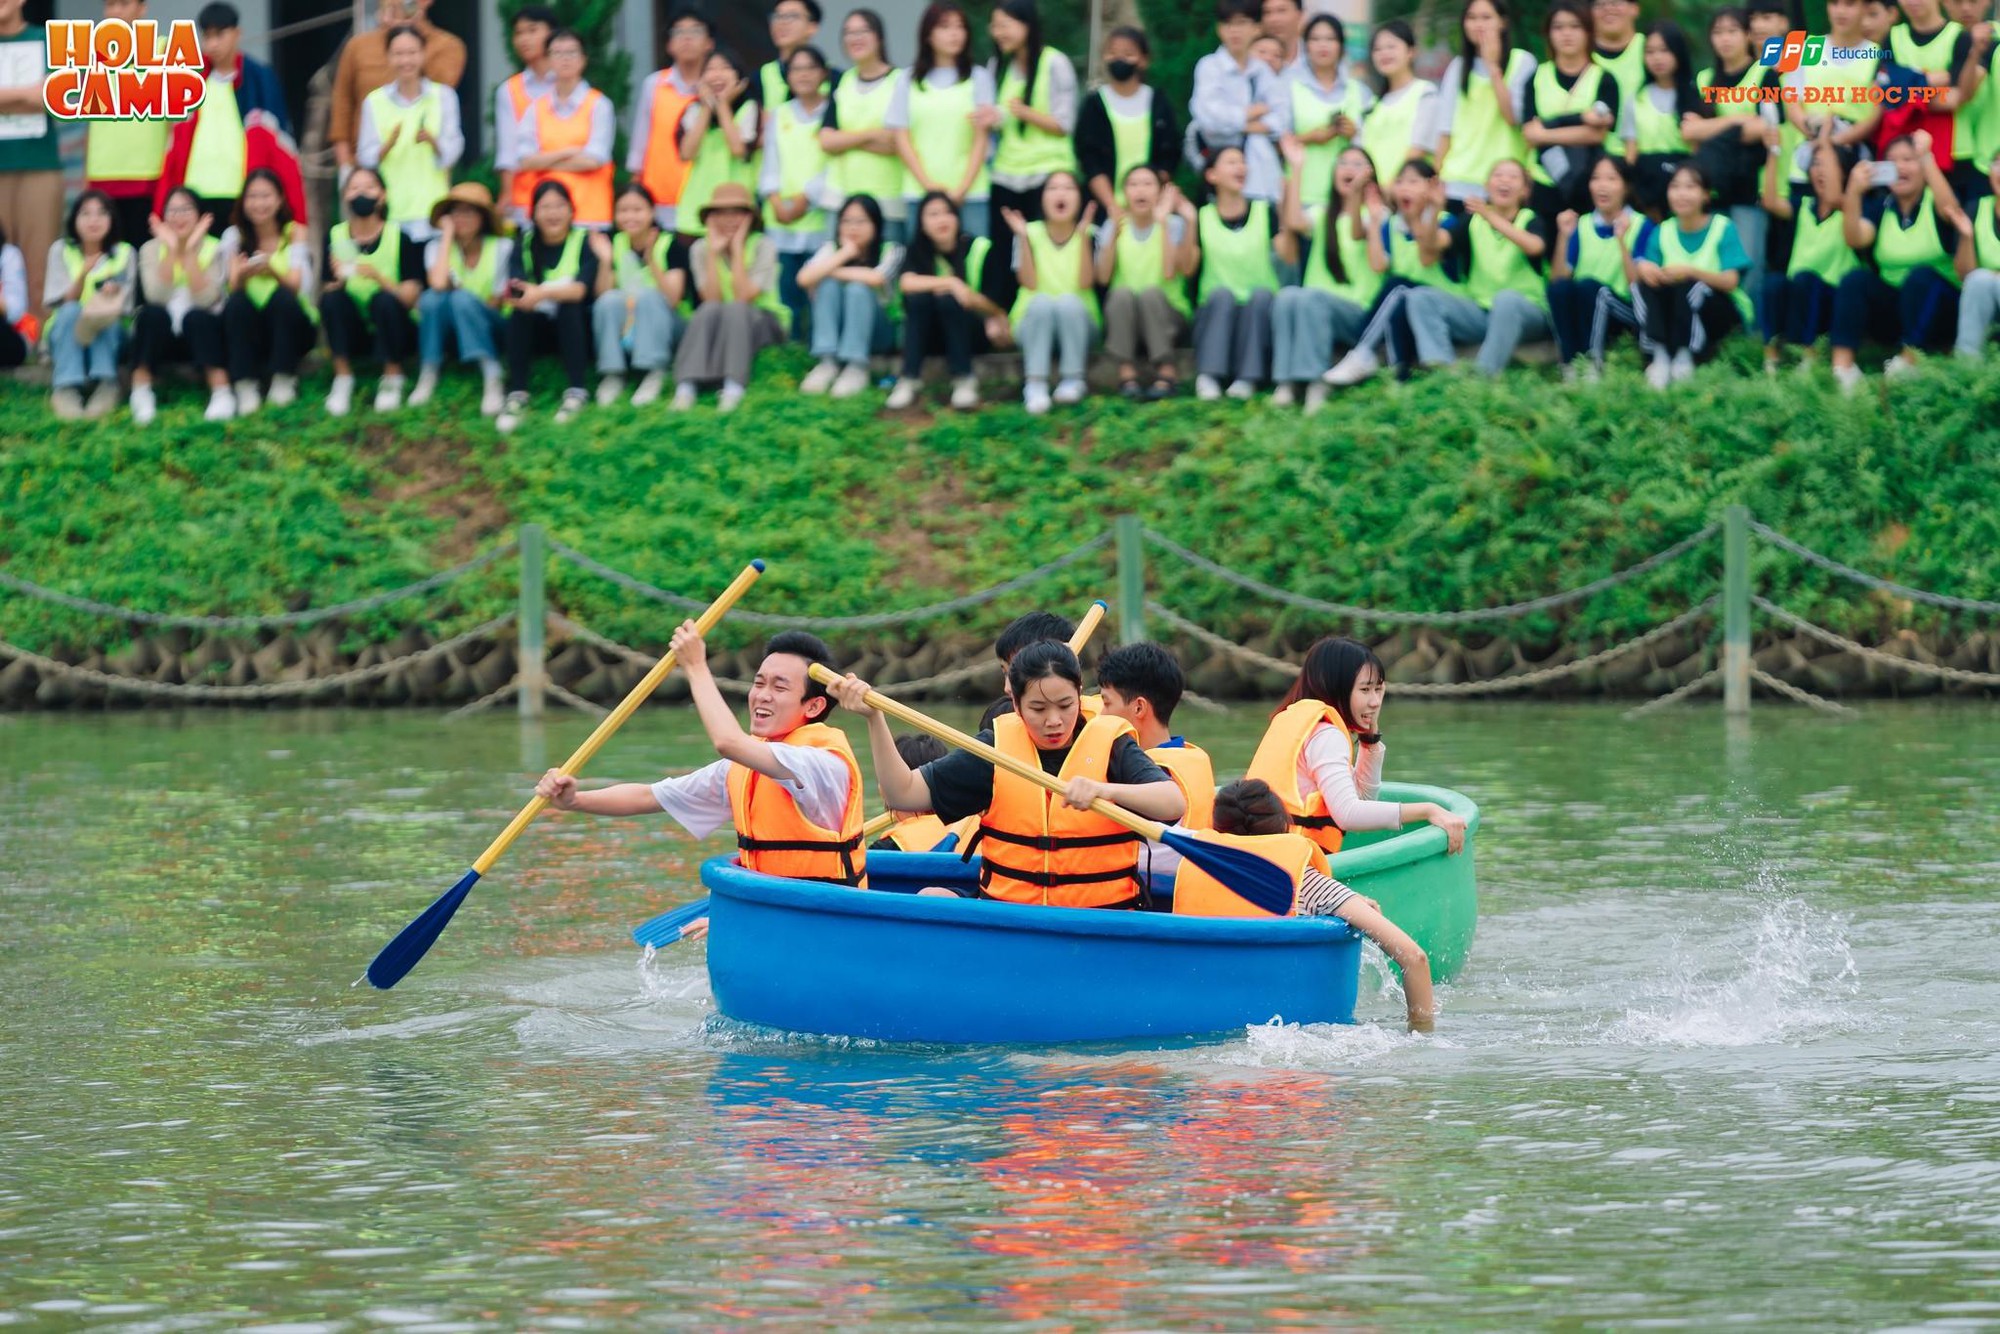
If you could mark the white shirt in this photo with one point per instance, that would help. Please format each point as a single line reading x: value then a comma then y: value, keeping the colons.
x: 13, y: 283
x: 700, y: 800
x: 1348, y: 787
x: 506, y: 128
x: 889, y: 265
x: 603, y: 123
x: 450, y: 134
x: 1223, y: 94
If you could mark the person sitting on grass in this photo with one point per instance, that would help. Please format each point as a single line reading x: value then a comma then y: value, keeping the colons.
x: 268, y: 320
x: 736, y: 273
x: 550, y: 277
x: 948, y: 280
x: 1055, y: 314
x: 87, y: 292
x: 1143, y: 253
x: 180, y: 291
x: 642, y: 281
x: 1978, y: 264
x: 852, y: 283
x: 374, y: 275
x: 465, y: 298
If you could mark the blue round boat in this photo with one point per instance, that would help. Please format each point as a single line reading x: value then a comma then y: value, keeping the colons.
x: 887, y: 964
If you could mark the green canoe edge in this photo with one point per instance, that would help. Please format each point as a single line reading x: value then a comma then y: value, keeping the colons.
x: 1429, y: 893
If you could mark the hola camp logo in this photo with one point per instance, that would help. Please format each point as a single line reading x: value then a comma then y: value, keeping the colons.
x: 115, y: 70
x: 1792, y: 50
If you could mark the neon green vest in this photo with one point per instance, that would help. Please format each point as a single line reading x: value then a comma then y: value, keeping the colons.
x: 767, y: 299
x: 481, y: 280
x: 1389, y: 128
x: 857, y: 172
x: 568, y: 266
x: 1026, y: 150
x: 1498, y: 265
x: 1552, y: 101
x: 1751, y: 77
x: 125, y: 150
x: 1131, y: 144
x: 975, y: 262
x: 1141, y: 265
x: 1236, y: 258
x: 1628, y: 67
x: 1310, y: 112
x: 1986, y: 241
x: 1601, y: 259
x: 260, y: 288
x: 1481, y: 138
x: 941, y: 133
x: 713, y: 164
x: 1847, y: 75
x: 630, y: 273
x: 1901, y: 251
x: 1362, y: 281
x: 800, y: 158
x: 1659, y: 131
x: 1820, y: 247
x: 1982, y: 118
x: 386, y: 258
x: 1707, y: 255
x: 1407, y: 261
x: 217, y: 153
x: 116, y: 268
x: 410, y: 170
x: 204, y: 255
x: 1058, y: 272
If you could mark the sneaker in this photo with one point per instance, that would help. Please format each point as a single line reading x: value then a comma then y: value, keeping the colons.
x: 609, y: 390
x: 340, y: 397
x: 820, y: 378
x: 1682, y: 366
x: 1282, y: 396
x: 965, y: 393
x: 1207, y: 388
x: 1570, y: 373
x: 284, y: 392
x: 1070, y: 391
x: 649, y: 388
x: 68, y: 404
x: 1593, y: 372
x: 492, y: 398
x: 731, y: 395
x: 684, y: 395
x: 221, y: 405
x: 102, y: 399
x: 1847, y: 377
x: 512, y: 411
x: 1807, y: 365
x: 247, y: 400
x: 1242, y: 390
x: 1035, y: 397
x: 573, y: 402
x: 1356, y: 366
x: 853, y: 378
x: 1316, y: 395
x: 1892, y: 368
x: 1660, y: 373
x: 389, y: 394
x: 145, y: 404
x: 1772, y: 364
x: 904, y: 394
x: 427, y: 383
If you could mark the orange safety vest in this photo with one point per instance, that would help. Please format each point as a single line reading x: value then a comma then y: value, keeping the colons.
x: 590, y: 191
x: 1038, y: 850
x: 517, y: 97
x: 1277, y: 763
x: 923, y: 833
x: 774, y: 838
x: 664, y: 170
x: 1194, y: 774
x: 1199, y: 894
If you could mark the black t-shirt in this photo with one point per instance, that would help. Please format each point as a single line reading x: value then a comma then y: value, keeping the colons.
x: 1607, y: 92
x: 409, y: 261
x: 961, y: 783
x: 533, y: 258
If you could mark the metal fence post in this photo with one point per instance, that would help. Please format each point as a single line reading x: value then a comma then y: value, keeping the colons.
x: 1736, y: 610
x: 1131, y: 580
x: 532, y: 671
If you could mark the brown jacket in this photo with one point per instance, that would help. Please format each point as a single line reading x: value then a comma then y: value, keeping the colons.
x: 364, y: 67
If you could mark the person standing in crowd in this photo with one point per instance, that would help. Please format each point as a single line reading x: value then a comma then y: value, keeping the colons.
x: 791, y: 178
x: 1144, y: 254
x: 533, y: 26
x: 465, y: 292
x: 31, y: 185
x: 1732, y: 144
x: 948, y: 282
x: 1400, y: 124
x: 1055, y: 314
x: 1572, y: 105
x: 642, y: 280
x: 365, y: 66
x: 1329, y: 308
x: 550, y: 277
x: 1236, y: 281
x: 411, y: 135
x: 1036, y: 88
x: 1619, y: 49
x: 735, y: 271
x: 1238, y: 102
x: 16, y: 314
x: 794, y: 25
x: 123, y: 157
x: 853, y: 285
x: 268, y: 316
x: 1655, y: 124
x: 1284, y: 21
x: 941, y: 113
x: 1327, y: 107
x: 1978, y: 264
x: 239, y: 129
x: 855, y: 135
x: 653, y: 155
x: 1689, y: 272
x: 1797, y: 305
x: 1978, y: 124
x: 1910, y: 293
x: 180, y: 293
x: 1407, y: 254
x: 1485, y: 89
x: 1124, y: 124
x: 567, y: 136
x: 718, y: 137
x: 374, y: 275
x: 1591, y: 268
x: 86, y: 295
x: 1929, y: 42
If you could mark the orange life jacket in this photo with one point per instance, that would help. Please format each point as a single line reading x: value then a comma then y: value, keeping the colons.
x: 923, y: 833
x: 1038, y: 850
x: 775, y: 838
x: 664, y: 170
x: 1199, y: 894
x: 1194, y: 774
x: 1277, y: 763
x: 590, y: 191
x: 518, y: 99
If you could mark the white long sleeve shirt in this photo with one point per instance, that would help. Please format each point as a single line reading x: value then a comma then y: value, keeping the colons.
x: 1348, y: 786
x: 1223, y: 95
x: 700, y: 800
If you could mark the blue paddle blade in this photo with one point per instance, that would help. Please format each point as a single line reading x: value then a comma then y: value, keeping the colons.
x: 1253, y: 878
x: 400, y: 955
x: 665, y: 929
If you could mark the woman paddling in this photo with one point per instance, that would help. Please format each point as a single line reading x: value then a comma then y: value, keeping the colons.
x: 1038, y: 848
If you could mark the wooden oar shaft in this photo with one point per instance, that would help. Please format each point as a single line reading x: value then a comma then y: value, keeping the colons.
x: 951, y: 736
x: 627, y: 707
x: 1088, y: 627
x: 880, y: 825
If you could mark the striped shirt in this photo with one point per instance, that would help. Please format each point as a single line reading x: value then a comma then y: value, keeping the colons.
x: 1320, y: 895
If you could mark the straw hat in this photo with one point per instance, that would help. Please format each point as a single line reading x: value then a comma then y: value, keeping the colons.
x: 730, y: 194
x: 474, y: 195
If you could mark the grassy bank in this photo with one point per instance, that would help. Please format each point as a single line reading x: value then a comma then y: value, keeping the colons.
x: 1443, y: 494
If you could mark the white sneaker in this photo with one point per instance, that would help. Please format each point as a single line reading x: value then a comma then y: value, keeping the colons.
x: 1356, y: 366
x: 221, y: 405
x: 965, y: 393
x: 820, y: 378
x: 1316, y: 395
x: 1282, y: 397
x: 684, y: 395
x: 853, y: 378
x: 1035, y: 397
x: 1593, y: 372
x: 1847, y: 377
x: 492, y: 398
x: 609, y: 390
x: 145, y: 405
x: 573, y: 402
x: 1070, y: 391
x: 247, y: 400
x: 1682, y: 366
x: 284, y: 392
x: 340, y: 397
x: 1570, y: 373
x: 389, y: 394
x: 427, y: 383
x: 1660, y: 373
x: 68, y: 404
x: 1242, y: 390
x: 904, y: 394
x: 102, y: 399
x: 1898, y: 366
x: 511, y: 412
x: 1207, y: 388
x: 649, y: 388
x: 731, y: 395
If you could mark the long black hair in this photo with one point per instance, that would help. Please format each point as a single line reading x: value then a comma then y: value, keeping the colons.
x: 1402, y: 32
x: 1024, y: 12
x: 1333, y: 664
x: 1336, y: 210
x: 281, y: 220
x: 1467, y: 53
x: 922, y: 257
x: 1039, y: 660
x: 871, y: 210
x: 752, y: 91
x: 934, y: 14
x: 1249, y: 806
x: 1687, y: 98
x: 1339, y: 35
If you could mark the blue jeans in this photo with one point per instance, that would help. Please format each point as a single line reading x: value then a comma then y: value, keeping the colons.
x: 652, y: 334
x: 848, y: 322
x: 458, y: 312
x: 77, y: 365
x: 793, y: 296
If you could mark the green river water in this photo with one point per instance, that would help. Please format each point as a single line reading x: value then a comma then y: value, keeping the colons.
x: 1725, y: 1053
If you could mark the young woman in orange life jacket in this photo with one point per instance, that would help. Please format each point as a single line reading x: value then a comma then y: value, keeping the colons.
x: 1323, y: 751
x: 1037, y: 847
x: 789, y: 785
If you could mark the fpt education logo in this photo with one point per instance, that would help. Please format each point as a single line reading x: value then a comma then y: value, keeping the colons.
x: 1794, y: 49
x: 111, y: 69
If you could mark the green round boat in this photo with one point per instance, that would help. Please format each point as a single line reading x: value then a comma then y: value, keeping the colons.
x: 1422, y: 888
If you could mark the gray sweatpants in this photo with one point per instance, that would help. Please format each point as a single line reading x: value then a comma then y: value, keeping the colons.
x: 1978, y: 311
x: 1055, y: 328
x: 1232, y: 340
x: 1140, y: 324
x: 722, y: 339
x: 1306, y: 325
